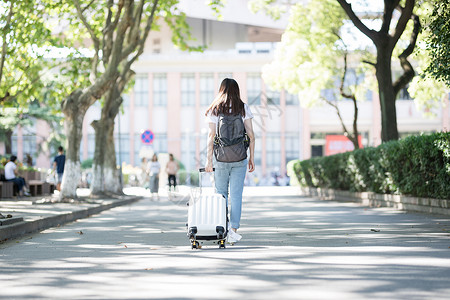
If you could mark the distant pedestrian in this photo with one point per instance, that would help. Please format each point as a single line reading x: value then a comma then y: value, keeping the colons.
x: 172, y: 169
x: 153, y: 169
x: 12, y: 174
x: 58, y: 165
x: 230, y: 133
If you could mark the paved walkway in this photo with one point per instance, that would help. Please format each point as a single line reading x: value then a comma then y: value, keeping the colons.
x: 292, y: 248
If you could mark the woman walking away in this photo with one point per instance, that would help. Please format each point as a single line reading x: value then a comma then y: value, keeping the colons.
x: 153, y: 169
x: 230, y: 134
x: 172, y: 169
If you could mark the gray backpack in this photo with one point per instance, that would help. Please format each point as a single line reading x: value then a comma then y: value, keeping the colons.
x: 231, y: 141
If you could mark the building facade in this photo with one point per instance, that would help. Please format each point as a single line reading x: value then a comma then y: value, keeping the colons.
x: 172, y: 90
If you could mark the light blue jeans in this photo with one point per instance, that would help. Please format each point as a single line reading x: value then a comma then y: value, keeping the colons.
x: 232, y: 175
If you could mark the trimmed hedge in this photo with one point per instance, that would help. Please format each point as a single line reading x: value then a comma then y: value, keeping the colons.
x: 416, y: 166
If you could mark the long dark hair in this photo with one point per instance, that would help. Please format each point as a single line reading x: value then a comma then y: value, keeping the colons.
x: 228, y: 101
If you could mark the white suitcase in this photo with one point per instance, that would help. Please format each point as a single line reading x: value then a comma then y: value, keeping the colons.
x: 207, y: 218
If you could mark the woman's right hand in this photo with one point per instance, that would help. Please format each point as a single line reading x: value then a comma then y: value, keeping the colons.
x: 251, y: 165
x: 209, y: 167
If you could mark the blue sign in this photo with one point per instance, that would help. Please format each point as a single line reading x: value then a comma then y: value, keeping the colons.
x: 147, y: 137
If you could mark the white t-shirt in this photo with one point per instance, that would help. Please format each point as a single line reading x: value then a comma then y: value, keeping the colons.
x: 153, y: 167
x: 9, y: 170
x: 215, y: 119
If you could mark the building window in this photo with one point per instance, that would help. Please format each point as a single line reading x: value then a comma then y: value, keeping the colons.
x: 28, y: 145
x: 316, y: 150
x: 206, y: 88
x: 254, y: 88
x: 160, y: 143
x: 273, y: 97
x: 328, y: 94
x: 223, y: 75
x: 124, y: 149
x: 159, y: 89
x: 203, y: 149
x: 273, y: 150
x: 292, y: 146
x: 137, y: 147
x: 141, y: 90
x: 188, y: 151
x: 126, y: 100
x: 91, y: 145
x: 291, y: 99
x: 187, y: 89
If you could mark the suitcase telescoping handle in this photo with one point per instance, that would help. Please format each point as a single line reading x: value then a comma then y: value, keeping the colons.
x: 201, y: 170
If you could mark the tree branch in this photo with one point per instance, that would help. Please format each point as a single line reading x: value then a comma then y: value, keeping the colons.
x: 133, y: 33
x: 406, y: 14
x: 140, y: 42
x: 111, y: 73
x: 94, y: 39
x: 107, y: 34
x: 352, y: 136
x: 356, y: 21
x: 338, y: 113
x: 143, y: 38
x: 87, y: 6
x: 408, y: 69
x: 369, y: 63
x: 389, y: 7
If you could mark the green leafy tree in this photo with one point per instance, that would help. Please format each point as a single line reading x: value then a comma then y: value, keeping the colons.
x: 106, y: 177
x: 438, y: 41
x: 11, y: 117
x: 385, y: 41
x: 313, y: 57
x: 25, y: 41
x: 116, y: 31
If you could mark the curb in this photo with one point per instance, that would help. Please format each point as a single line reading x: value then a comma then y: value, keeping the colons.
x: 400, y: 202
x: 21, y: 228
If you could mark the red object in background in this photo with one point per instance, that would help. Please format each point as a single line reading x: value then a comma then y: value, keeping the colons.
x: 338, y: 144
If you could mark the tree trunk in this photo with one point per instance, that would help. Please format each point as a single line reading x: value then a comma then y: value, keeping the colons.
x: 97, y: 185
x: 106, y: 176
x: 74, y: 111
x: 113, y: 182
x: 387, y: 95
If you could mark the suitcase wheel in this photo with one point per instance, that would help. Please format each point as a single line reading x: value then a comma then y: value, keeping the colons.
x: 195, y: 245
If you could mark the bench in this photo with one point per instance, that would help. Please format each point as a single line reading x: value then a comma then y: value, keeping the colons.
x: 38, y: 188
x: 6, y: 189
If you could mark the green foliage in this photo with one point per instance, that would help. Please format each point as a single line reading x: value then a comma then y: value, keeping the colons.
x: 26, y: 39
x: 86, y: 164
x: 185, y: 177
x: 438, y: 42
x: 310, y: 56
x: 427, y: 91
x: 270, y: 7
x: 417, y: 166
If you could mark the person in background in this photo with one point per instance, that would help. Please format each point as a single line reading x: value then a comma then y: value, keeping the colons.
x: 172, y: 169
x: 12, y: 174
x: 58, y: 165
x: 153, y: 169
